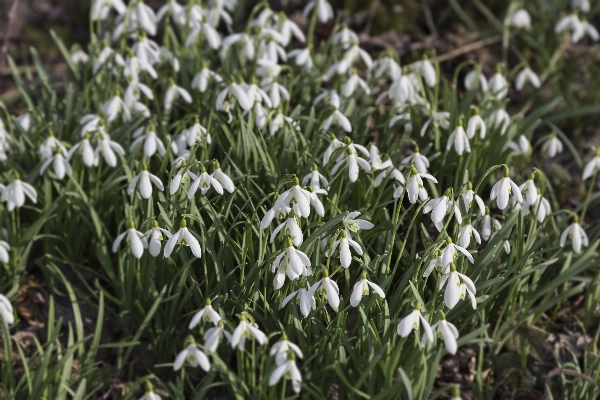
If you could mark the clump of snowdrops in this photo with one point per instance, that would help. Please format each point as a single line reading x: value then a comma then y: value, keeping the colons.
x: 264, y: 214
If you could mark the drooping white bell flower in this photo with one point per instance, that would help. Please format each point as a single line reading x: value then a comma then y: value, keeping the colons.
x: 315, y: 178
x: 290, y: 262
x: 528, y: 190
x: 277, y: 92
x: 394, y: 172
x: 6, y: 310
x: 353, y: 160
x: 582, y: 5
x: 592, y: 167
x: 498, y: 85
x: 577, y: 235
x: 206, y: 314
x: 344, y: 242
x: 14, y: 194
x: 333, y: 146
x: 154, y: 236
x: 446, y: 331
x: 245, y: 42
x: 288, y: 28
x: 185, y: 238
x: 499, y: 119
x: 315, y: 201
x: 468, y: 197
x: 246, y: 330
x: 208, y: 32
x: 487, y: 225
x: 435, y: 263
x: 288, y: 369
x: 281, y: 350
x: 223, y: 178
x: 108, y: 58
x: 115, y: 106
x: 151, y: 142
x: 361, y: 288
x: 60, y: 164
x: 503, y: 189
x: 527, y: 75
x: 439, y: 118
x: 466, y: 232
x: 101, y: 8
x: 87, y: 152
x: 135, y: 239
x: 375, y: 159
x: 552, y: 146
x: 146, y: 49
x: 353, y: 82
x: 298, y: 197
x: 476, y: 122
x: 427, y: 71
x: 108, y: 148
x: 149, y: 394
x: 541, y: 208
x: 172, y: 9
x: 328, y: 288
x: 4, y: 252
x: 417, y: 159
x: 50, y: 145
x: 322, y: 8
x: 204, y: 182
x: 459, y: 139
x: 279, y: 120
x: 584, y: 28
x: 301, y: 58
x: 388, y: 66
x: 197, y: 134
x: 214, y: 335
x: 182, y: 176
x: 304, y: 298
x: 279, y: 213
x: 194, y: 357
x: 344, y: 36
x: 521, y: 19
x: 351, y: 224
x: 412, y: 322
x: 440, y: 207
x: 476, y: 75
x: 174, y: 92
x: 414, y: 186
x: 339, y: 118
x: 449, y: 254
x: 289, y: 228
x: 201, y: 79
x: 145, y: 180
x: 402, y: 90
x: 238, y: 93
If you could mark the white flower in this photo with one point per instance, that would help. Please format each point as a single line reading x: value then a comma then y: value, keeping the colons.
x: 402, y: 90
x: 278, y: 121
x: 396, y: 174
x: 414, y: 187
x: 577, y: 235
x: 182, y: 176
x: 571, y: 22
x: 304, y: 298
x: 298, y: 197
x: 499, y: 118
x: 465, y: 233
x: 352, y: 159
x: 417, y: 159
x: 344, y: 36
x: 214, y: 335
x: 322, y: 8
x: 387, y: 65
x: 352, y: 83
x: 245, y: 331
x: 174, y: 92
x: 361, y: 288
x: 412, y: 321
x: 476, y: 122
x: 449, y: 254
x: 6, y: 310
x: 145, y: 179
x: 440, y: 207
x: 197, y: 134
x: 521, y: 19
x: 60, y: 164
x: 339, y: 118
x: 292, y: 229
x: 101, y: 8
x: 453, y: 293
x: 86, y: 150
x: 503, y: 189
x: 315, y: 202
x: 315, y: 178
x: 115, y: 106
x: 281, y: 350
x: 290, y: 261
x: 279, y: 212
x: 276, y: 93
x: 541, y: 208
x: 448, y: 332
x: 375, y: 159
x: 585, y: 27
x: 527, y: 75
x: 344, y: 242
x: 155, y: 234
x: 4, y: 252
x: 498, y: 86
x: 473, y: 76
x: 592, y: 166
x: 528, y: 190
x: 352, y: 224
x: 204, y: 181
x: 333, y: 145
x: 552, y: 146
x: 488, y: 224
x: 194, y: 356
x: 14, y: 194
x: 149, y: 395
x: 50, y: 145
x: 523, y: 147
x: 108, y: 148
x: 223, y: 178
x: 152, y: 143
x: 288, y: 369
x: 329, y: 288
x: 208, y: 313
x: 135, y: 239
x: 459, y: 139
x: 202, y: 78
x: 468, y: 197
x: 435, y: 263
x: 184, y: 238
x: 172, y: 9
x: 427, y: 70
x: 146, y: 49
x: 235, y: 90
x: 438, y: 118
x: 583, y: 5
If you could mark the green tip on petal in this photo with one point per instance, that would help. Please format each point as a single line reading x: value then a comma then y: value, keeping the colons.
x: 532, y: 176
x: 183, y: 223
x: 440, y: 253
x: 469, y: 186
x: 452, y: 267
x: 332, y: 136
x: 296, y: 181
x: 154, y: 223
x: 347, y: 140
x: 217, y: 164
x: 130, y: 224
x: 284, y: 336
x: 461, y: 120
x: 448, y: 192
x: 456, y: 392
x: 183, y: 164
x: 418, y: 306
x: 343, y: 233
x: 448, y: 240
x: 315, y: 167
x: 149, y: 387
x: 207, y: 302
x: 506, y: 172
x: 190, y: 339
x: 202, y: 170
x: 144, y: 167
x: 363, y: 275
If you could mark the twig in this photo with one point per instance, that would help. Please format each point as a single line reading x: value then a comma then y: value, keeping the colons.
x: 11, y: 17
x: 463, y: 50
x: 429, y: 18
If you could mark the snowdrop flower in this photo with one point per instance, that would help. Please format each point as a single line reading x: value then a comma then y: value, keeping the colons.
x: 206, y: 314
x: 78, y: 56
x: 459, y: 139
x: 328, y: 288
x: 165, y: 55
x: 184, y: 238
x: 276, y: 93
x: 528, y: 190
x: 6, y: 310
x: 155, y: 234
x: 345, y: 36
x: 146, y: 49
x: 465, y: 233
x: 288, y: 28
x: 376, y: 162
x: 201, y: 79
x: 412, y: 321
x: 401, y: 115
x: 4, y: 252
x: 402, y: 90
x: 506, y: 244
x: 301, y: 58
x: 571, y: 22
x: 222, y: 178
x: 150, y: 395
x: 441, y: 207
x: 333, y: 146
x: 87, y: 152
x: 352, y: 224
x: 108, y: 148
x: 449, y: 254
x: 197, y: 134
x: 174, y: 92
x: 49, y: 145
x: 476, y: 122
x: 522, y: 148
x: 133, y: 66
x: 109, y: 58
x: 417, y: 159
x: 246, y: 330
x: 290, y: 261
x: 60, y: 164
x: 414, y: 187
x: 135, y: 239
x: 292, y: 229
x: 279, y: 212
x: 315, y: 178
x: 583, y: 5
x: 468, y: 197
x: 577, y: 235
x: 260, y: 115
x: 498, y: 85
x: 592, y: 166
x: 499, y: 119
x: 488, y: 223
x: 214, y: 335
x: 472, y: 77
x: 361, y: 288
x: 210, y: 34
x: 322, y: 8
x: 435, y: 263
x: 394, y: 172
x: 193, y: 355
x: 439, y: 119
x: 298, y: 197
x: 279, y: 120
x: 446, y: 331
x: 339, y: 118
x: 145, y: 178
x: 387, y: 65
x: 115, y: 106
x: 245, y: 41
x: 101, y: 8
x: 352, y: 83
x: 304, y: 298
x: 281, y: 350
x: 527, y: 75
x: 344, y: 242
x: 552, y: 146
x: 147, y: 136
x: 204, y: 181
x: 464, y: 290
x: 585, y: 27
x: 503, y: 189
x: 427, y: 70
x: 315, y: 202
x: 14, y: 194
x: 145, y: 17
x: 521, y: 19
x: 541, y: 208
x: 351, y: 158
x: 235, y: 90
x: 288, y: 369
x: 172, y: 9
